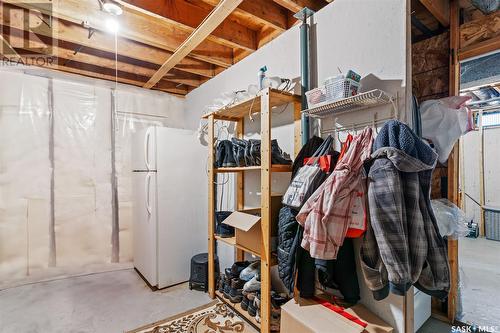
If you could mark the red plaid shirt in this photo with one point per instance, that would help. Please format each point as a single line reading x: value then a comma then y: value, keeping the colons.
x: 327, y: 214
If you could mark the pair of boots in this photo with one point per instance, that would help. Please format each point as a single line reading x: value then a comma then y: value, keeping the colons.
x: 241, y: 153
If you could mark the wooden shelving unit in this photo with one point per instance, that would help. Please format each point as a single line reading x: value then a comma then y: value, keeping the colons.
x: 262, y: 104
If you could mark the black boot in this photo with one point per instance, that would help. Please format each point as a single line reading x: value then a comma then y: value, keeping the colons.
x: 229, y: 161
x: 248, y: 155
x: 219, y: 154
x: 277, y: 155
x: 255, y: 151
x: 239, y: 151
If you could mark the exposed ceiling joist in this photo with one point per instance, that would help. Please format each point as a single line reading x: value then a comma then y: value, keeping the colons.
x: 483, y: 47
x: 219, y: 14
x: 479, y: 30
x: 72, y: 33
x: 440, y: 9
x: 296, y: 5
x: 188, y: 16
x: 264, y: 12
x: 136, y: 27
x: 66, y: 58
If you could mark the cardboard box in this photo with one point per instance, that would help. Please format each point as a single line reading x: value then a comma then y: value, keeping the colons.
x: 307, y: 316
x: 247, y: 225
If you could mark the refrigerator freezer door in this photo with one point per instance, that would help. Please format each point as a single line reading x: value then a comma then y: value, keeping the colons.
x: 144, y: 150
x: 182, y: 203
x: 145, y: 225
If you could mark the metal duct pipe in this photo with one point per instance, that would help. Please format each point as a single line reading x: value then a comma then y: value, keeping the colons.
x: 303, y: 15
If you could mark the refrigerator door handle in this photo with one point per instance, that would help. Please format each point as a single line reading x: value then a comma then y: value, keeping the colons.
x: 148, y: 187
x: 146, y: 149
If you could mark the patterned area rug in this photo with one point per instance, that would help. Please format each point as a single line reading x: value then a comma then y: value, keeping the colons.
x: 215, y: 317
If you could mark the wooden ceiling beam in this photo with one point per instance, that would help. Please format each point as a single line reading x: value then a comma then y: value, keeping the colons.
x: 133, y: 26
x: 104, y: 74
x: 296, y: 5
x: 480, y: 30
x: 189, y: 16
x: 440, y: 9
x: 66, y: 58
x: 72, y: 33
x: 263, y: 12
x: 219, y: 14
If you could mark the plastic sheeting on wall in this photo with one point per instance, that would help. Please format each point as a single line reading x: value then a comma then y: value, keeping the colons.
x: 82, y: 181
x: 45, y: 121
x: 24, y: 175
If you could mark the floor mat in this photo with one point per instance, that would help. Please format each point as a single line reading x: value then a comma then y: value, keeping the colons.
x: 214, y: 317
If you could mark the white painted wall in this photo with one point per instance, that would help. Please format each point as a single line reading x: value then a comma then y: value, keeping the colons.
x: 366, y: 36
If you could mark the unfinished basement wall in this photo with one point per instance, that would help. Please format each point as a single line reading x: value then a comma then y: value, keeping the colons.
x: 56, y: 167
x: 366, y: 36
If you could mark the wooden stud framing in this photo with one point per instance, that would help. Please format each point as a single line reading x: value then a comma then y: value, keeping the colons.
x: 211, y: 208
x: 440, y: 9
x: 453, y: 160
x: 482, y: 193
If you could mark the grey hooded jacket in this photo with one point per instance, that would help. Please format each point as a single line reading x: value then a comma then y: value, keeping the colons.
x: 402, y: 246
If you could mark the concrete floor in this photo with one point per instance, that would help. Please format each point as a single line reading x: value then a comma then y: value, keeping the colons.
x: 101, y: 303
x: 479, y: 261
x: 434, y: 326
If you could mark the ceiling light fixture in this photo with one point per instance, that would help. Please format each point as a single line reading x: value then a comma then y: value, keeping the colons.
x: 111, y: 7
x: 112, y: 25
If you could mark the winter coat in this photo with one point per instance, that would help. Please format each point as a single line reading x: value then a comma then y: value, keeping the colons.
x: 402, y: 246
x: 326, y: 216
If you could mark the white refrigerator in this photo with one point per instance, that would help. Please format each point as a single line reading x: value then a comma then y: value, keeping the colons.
x: 169, y: 203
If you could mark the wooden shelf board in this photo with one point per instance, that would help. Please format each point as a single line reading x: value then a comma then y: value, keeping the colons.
x: 237, y: 308
x: 232, y: 241
x: 274, y: 168
x: 252, y: 105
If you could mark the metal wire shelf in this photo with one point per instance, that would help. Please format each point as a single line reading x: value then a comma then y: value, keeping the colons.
x: 355, y: 103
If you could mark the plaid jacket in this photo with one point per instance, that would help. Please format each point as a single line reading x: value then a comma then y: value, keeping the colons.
x: 402, y: 246
x: 327, y: 214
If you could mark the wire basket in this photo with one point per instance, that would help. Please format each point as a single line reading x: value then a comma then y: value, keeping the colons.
x: 333, y: 90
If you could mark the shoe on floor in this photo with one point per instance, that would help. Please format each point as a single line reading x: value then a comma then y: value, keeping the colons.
x: 253, y: 284
x: 249, y: 272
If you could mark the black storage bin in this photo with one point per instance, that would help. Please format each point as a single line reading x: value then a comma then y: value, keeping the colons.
x: 199, y: 271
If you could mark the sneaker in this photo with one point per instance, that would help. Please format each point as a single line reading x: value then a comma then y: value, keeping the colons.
x: 253, y: 284
x: 235, y: 295
x: 252, y: 310
x: 239, y: 151
x: 244, y: 303
x: 277, y: 155
x: 249, y: 272
x: 221, y: 229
